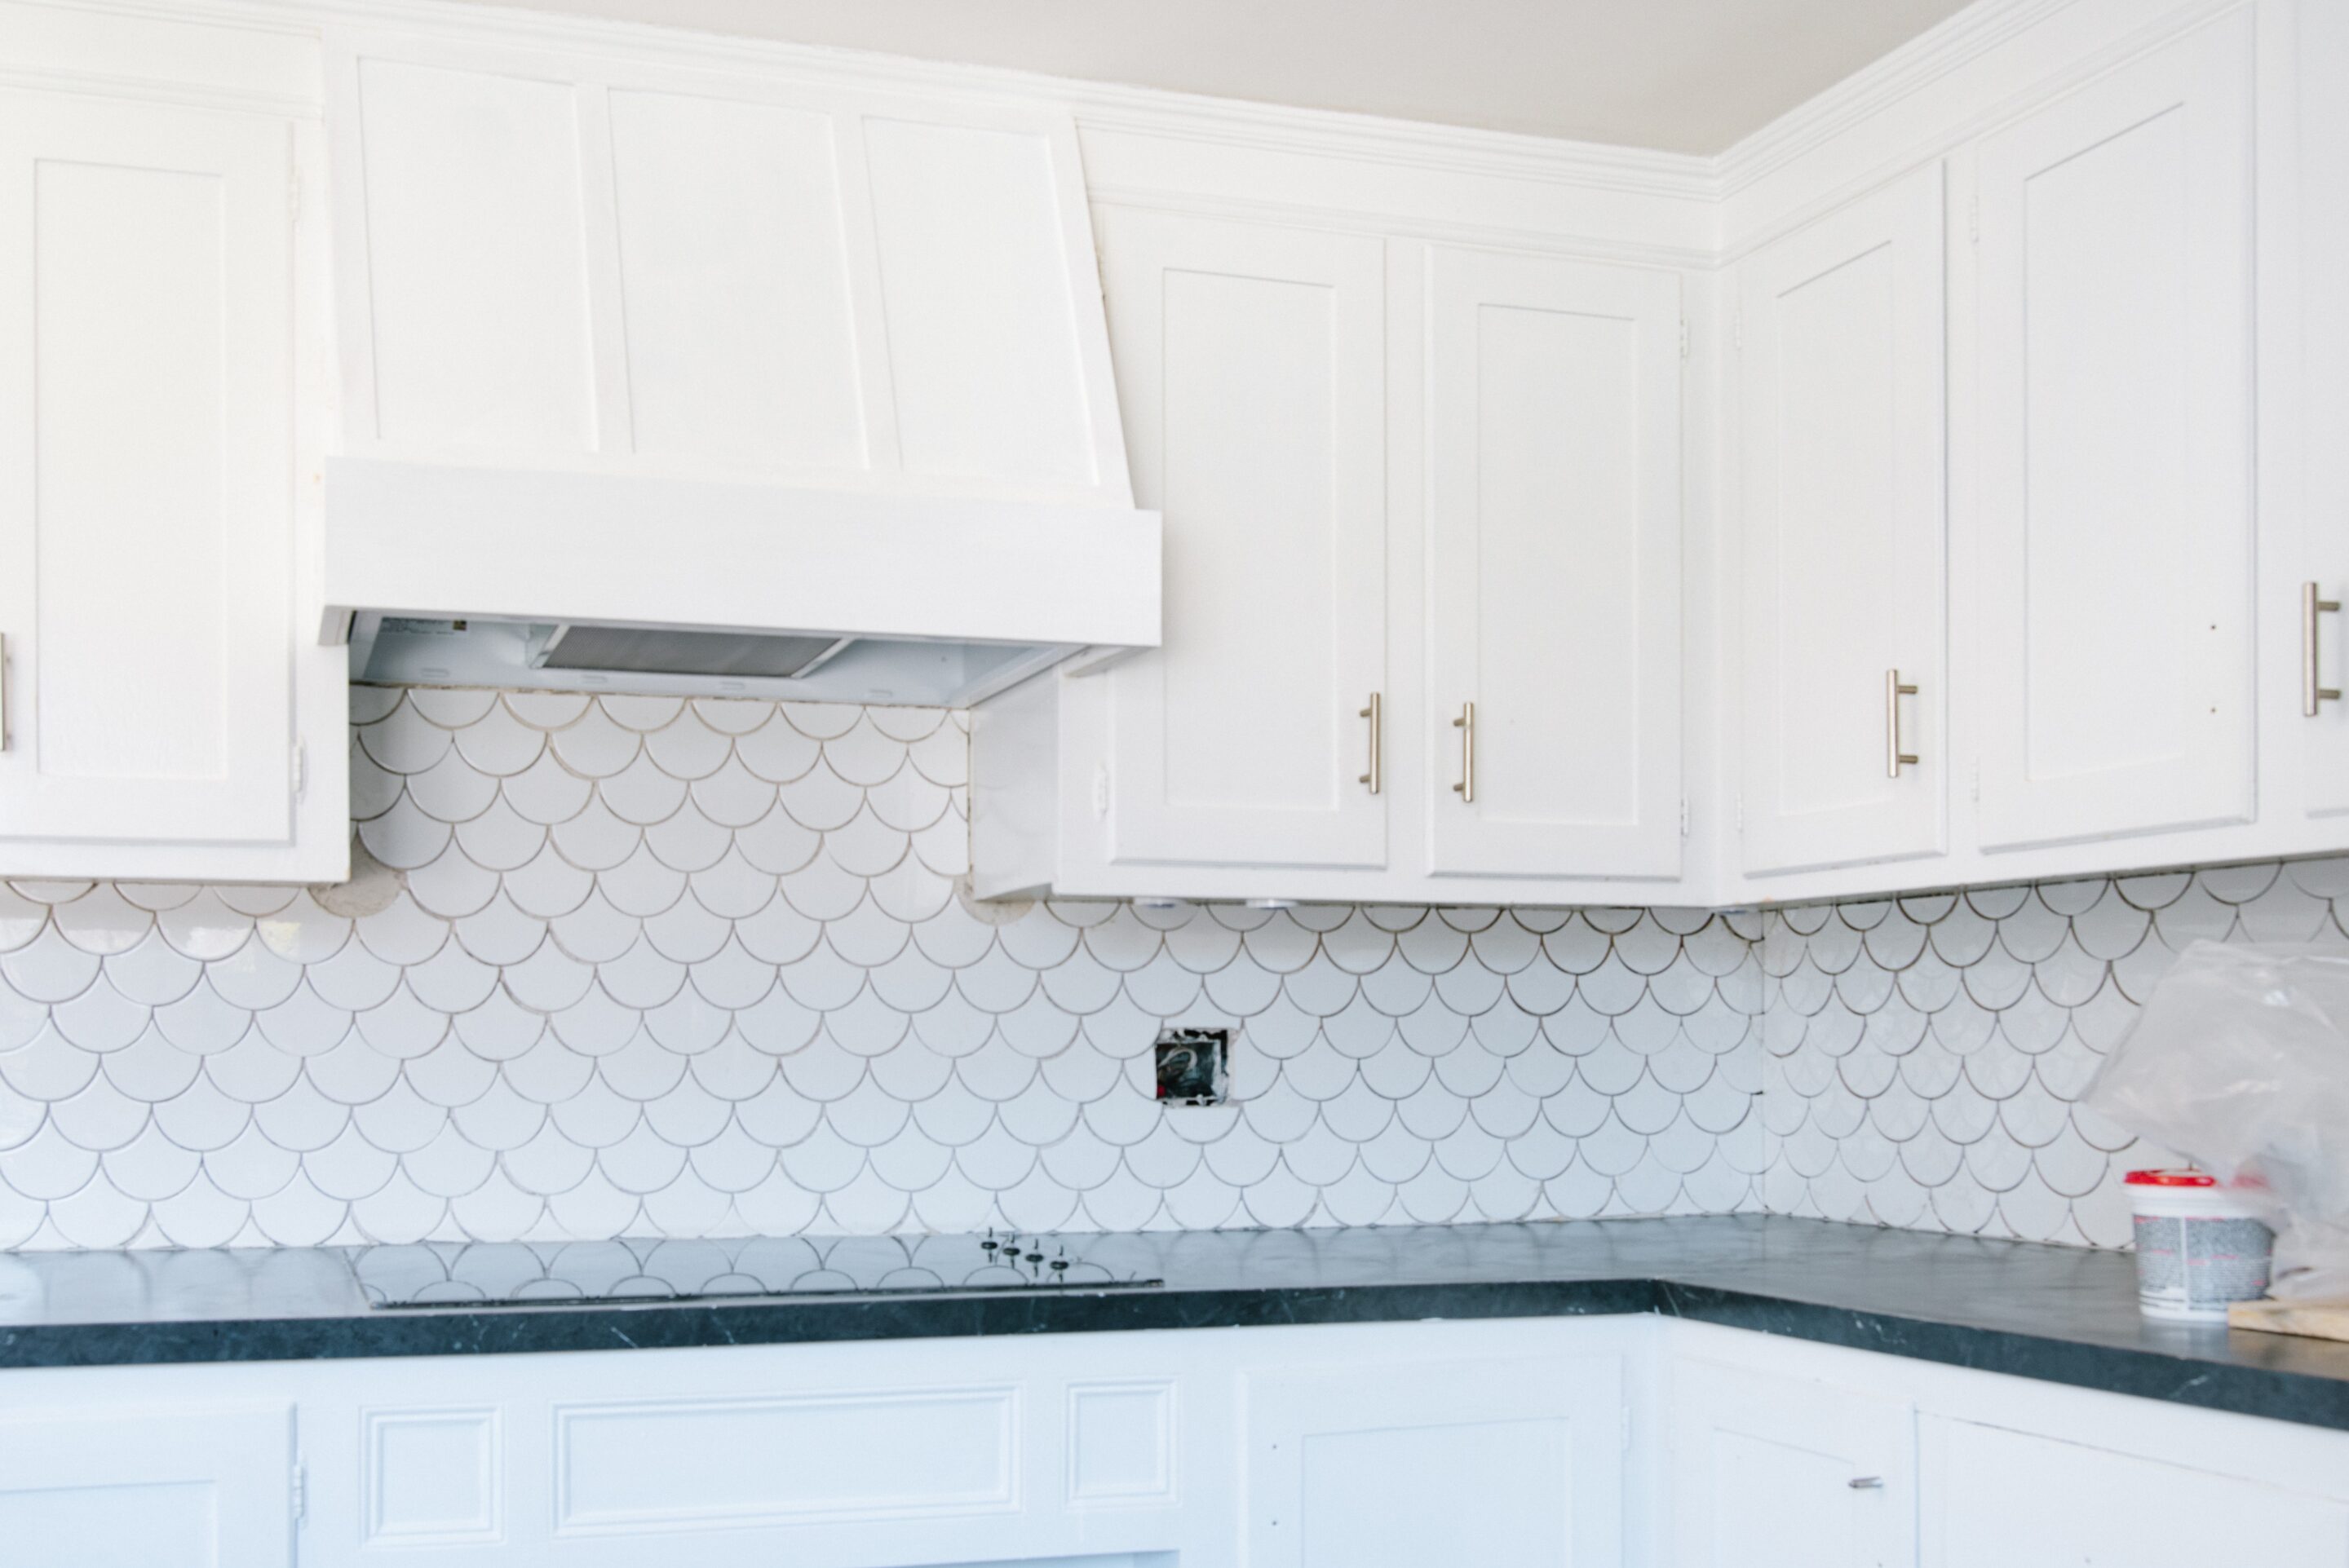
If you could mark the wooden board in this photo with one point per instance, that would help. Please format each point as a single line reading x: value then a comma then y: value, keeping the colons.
x: 2314, y: 1319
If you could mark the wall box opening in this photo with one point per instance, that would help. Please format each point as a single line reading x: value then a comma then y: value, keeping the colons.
x: 1192, y: 1065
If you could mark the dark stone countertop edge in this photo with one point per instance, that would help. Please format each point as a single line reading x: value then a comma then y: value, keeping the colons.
x: 2182, y: 1378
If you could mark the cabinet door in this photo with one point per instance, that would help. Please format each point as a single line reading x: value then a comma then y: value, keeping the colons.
x: 1778, y: 1472
x: 1251, y: 365
x: 1998, y: 1499
x: 141, y: 1488
x: 1501, y: 1464
x: 2324, y: 58
x: 1841, y: 476
x: 1554, y: 590
x: 146, y: 473
x: 2115, y: 420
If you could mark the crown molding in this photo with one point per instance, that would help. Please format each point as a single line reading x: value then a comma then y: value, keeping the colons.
x: 1907, y: 70
x: 1405, y: 226
x: 1105, y: 106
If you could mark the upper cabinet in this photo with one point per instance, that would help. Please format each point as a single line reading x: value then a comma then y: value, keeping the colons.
x: 574, y: 264
x: 2114, y: 474
x: 1252, y: 366
x: 1553, y: 536
x: 159, y: 713
x: 2308, y: 594
x: 1845, y: 675
x: 1423, y: 590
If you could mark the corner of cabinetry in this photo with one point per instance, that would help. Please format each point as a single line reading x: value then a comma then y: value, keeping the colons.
x: 1015, y: 749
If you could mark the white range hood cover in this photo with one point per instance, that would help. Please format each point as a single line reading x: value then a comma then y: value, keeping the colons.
x: 737, y: 358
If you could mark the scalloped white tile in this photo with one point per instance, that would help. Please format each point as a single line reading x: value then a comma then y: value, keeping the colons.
x: 696, y: 969
x: 1922, y: 1055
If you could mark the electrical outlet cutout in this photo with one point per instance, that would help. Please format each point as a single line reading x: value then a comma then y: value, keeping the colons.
x: 1192, y: 1065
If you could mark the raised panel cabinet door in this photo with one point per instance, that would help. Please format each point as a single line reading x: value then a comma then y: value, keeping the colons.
x: 146, y: 473
x: 1554, y: 608
x: 1501, y: 1464
x: 1783, y: 1472
x: 1841, y: 478
x: 2322, y: 573
x: 143, y: 1488
x: 1990, y: 1497
x: 2113, y: 544
x: 1251, y: 365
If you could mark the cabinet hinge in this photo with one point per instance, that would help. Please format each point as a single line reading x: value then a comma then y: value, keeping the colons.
x: 1100, y: 790
x: 1627, y: 1429
x: 1684, y: 817
x: 300, y: 768
x: 1977, y: 780
x: 1684, y: 337
x: 298, y: 1492
x: 294, y: 193
x: 1738, y: 330
x: 1740, y: 813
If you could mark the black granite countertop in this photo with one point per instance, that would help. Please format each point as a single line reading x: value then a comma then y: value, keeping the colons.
x: 2061, y: 1315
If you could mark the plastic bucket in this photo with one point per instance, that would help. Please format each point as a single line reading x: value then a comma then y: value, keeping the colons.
x: 2200, y: 1245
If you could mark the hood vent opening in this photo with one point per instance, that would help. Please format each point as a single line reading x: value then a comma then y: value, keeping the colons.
x: 668, y: 661
x: 673, y: 651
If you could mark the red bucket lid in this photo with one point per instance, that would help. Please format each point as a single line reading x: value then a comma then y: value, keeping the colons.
x: 2185, y: 1176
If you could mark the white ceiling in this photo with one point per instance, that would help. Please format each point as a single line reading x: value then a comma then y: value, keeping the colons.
x: 1682, y: 76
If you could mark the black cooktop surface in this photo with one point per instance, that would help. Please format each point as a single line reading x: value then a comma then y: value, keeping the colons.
x: 543, y: 1273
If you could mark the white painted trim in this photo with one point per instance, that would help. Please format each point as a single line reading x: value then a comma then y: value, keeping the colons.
x: 1924, y: 59
x: 1402, y: 226
x: 1107, y: 105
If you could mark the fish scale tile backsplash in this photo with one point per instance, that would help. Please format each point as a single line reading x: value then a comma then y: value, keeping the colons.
x: 1923, y: 1055
x: 690, y: 969
x: 648, y: 967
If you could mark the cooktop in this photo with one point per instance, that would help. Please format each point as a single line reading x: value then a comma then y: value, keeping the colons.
x: 540, y: 1273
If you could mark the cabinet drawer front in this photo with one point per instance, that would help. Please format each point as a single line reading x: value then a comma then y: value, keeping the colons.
x: 1251, y: 365
x: 2114, y: 340
x: 146, y: 473
x: 1554, y: 555
x: 1841, y: 479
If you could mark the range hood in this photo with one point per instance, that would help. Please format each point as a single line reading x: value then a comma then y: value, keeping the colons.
x: 678, y: 384
x: 445, y: 575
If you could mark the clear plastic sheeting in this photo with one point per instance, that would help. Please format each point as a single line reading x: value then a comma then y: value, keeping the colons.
x: 2240, y: 1061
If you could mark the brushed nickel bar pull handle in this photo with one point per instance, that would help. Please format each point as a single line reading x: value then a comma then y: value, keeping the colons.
x: 1866, y: 1483
x: 1466, y: 725
x: 1893, y: 757
x: 1376, y: 714
x: 2311, y: 695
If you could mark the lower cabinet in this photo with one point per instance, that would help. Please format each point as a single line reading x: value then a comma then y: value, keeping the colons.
x: 1787, y: 1472
x: 135, y: 1486
x: 1999, y: 1499
x: 1505, y: 1464
x: 1582, y: 1443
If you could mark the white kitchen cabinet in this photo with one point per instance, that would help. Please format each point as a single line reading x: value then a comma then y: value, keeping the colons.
x: 1775, y: 1471
x: 2113, y: 626
x: 1553, y: 599
x: 556, y: 260
x: 137, y: 1486
x: 1994, y: 1497
x: 1505, y: 1463
x: 1839, y: 376
x: 2319, y: 726
x: 1252, y: 373
x: 164, y: 717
